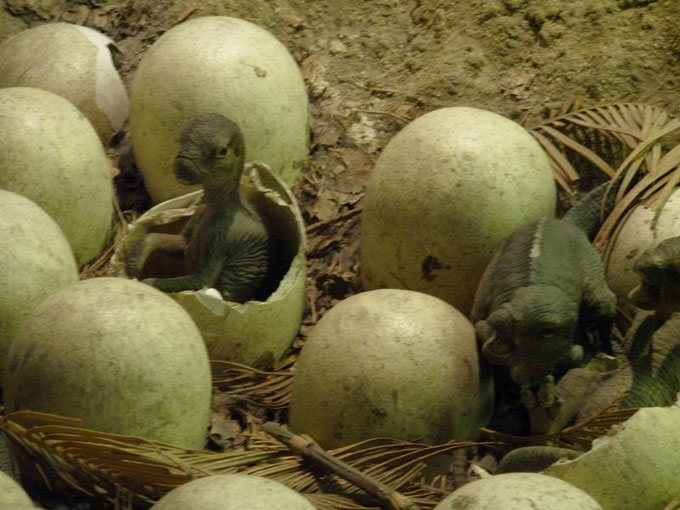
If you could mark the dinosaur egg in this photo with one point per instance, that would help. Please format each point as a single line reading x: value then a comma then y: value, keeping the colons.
x: 233, y: 492
x: 218, y: 64
x: 74, y: 62
x: 390, y: 363
x: 518, y: 491
x: 118, y: 354
x: 636, y: 235
x: 35, y: 261
x: 12, y: 495
x: 251, y: 333
x: 637, y: 467
x: 50, y: 153
x: 444, y: 194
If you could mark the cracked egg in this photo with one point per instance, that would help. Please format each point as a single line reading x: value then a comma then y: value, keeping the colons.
x: 254, y: 333
x: 72, y: 61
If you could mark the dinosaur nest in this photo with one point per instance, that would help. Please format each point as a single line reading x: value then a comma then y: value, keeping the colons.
x: 112, y: 468
x: 583, y: 143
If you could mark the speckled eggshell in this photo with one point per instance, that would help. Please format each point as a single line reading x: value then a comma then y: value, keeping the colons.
x: 634, y: 237
x: 518, y: 491
x: 12, y: 495
x: 50, y: 153
x: 118, y: 354
x: 233, y: 492
x: 635, y: 466
x: 390, y: 363
x: 74, y: 62
x: 35, y: 261
x: 218, y: 64
x: 444, y: 194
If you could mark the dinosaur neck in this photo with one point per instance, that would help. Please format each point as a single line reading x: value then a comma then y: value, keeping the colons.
x: 222, y: 191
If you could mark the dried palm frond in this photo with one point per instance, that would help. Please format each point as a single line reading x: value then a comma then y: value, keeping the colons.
x: 270, y: 390
x: 578, y: 137
x: 109, y: 466
x: 651, y: 189
x: 393, y: 462
x: 579, y: 435
x: 622, y: 140
x: 113, y: 468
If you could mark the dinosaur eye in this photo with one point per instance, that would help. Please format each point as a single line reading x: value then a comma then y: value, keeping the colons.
x: 223, y: 151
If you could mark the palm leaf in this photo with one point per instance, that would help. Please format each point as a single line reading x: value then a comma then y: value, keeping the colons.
x: 650, y: 188
x: 270, y: 390
x: 579, y: 139
x: 111, y: 468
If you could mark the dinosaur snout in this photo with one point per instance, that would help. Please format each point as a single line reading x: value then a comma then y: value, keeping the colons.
x: 185, y: 170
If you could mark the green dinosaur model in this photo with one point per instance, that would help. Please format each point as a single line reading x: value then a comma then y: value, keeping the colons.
x: 225, y: 243
x: 648, y: 356
x: 539, y: 289
x: 647, y: 364
x: 659, y: 271
x: 650, y: 351
x: 542, y: 290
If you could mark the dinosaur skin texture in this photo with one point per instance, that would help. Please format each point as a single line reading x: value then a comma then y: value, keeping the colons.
x: 648, y: 359
x: 225, y: 243
x: 650, y: 351
x: 543, y: 290
x: 542, y: 287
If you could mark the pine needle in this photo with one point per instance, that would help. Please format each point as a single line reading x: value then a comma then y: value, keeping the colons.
x: 108, y: 467
x: 270, y: 390
x: 579, y: 435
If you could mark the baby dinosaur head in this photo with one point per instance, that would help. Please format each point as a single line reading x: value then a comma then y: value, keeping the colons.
x: 536, y: 327
x: 659, y: 271
x: 211, y: 153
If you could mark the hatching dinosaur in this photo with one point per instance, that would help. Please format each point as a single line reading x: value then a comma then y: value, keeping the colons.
x: 225, y: 243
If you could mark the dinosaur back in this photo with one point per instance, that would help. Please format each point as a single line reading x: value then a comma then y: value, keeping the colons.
x: 589, y: 213
x: 546, y: 252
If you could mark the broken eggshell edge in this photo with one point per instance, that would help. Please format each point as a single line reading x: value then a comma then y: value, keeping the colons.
x: 255, y: 333
x: 72, y: 61
x: 635, y: 466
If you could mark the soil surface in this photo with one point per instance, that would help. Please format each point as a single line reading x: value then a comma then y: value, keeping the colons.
x: 373, y: 66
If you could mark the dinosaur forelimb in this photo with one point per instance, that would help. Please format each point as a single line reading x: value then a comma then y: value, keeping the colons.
x: 140, y: 252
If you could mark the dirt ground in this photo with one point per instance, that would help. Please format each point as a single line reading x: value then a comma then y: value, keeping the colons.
x: 373, y: 66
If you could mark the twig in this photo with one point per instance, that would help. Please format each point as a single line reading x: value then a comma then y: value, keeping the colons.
x: 390, y: 114
x: 312, y: 304
x: 381, y: 90
x: 306, y: 447
x: 185, y: 15
x: 342, y: 216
